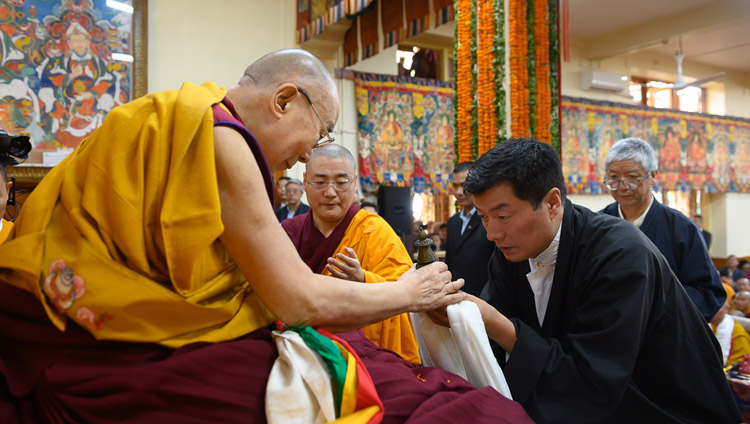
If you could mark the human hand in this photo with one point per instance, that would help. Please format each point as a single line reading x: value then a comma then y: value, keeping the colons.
x: 346, y: 267
x: 439, y: 316
x: 431, y: 287
x: 76, y: 71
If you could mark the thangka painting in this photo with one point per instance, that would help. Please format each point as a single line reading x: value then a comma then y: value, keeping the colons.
x: 65, y: 64
x: 405, y: 132
x: 695, y: 151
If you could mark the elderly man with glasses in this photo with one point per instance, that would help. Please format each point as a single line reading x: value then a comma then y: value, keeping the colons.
x: 631, y: 172
x: 338, y: 238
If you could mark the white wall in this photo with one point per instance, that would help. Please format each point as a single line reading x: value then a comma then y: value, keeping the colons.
x: 198, y: 40
x: 731, y: 234
x: 729, y: 95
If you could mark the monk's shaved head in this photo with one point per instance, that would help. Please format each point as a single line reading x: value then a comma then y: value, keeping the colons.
x: 288, y: 100
x: 333, y: 151
x: 290, y: 65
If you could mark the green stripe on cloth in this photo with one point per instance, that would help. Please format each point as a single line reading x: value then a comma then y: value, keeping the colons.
x: 330, y: 354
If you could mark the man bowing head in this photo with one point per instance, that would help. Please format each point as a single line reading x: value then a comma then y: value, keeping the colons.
x: 338, y: 238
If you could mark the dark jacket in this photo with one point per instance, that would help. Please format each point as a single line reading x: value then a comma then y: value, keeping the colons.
x: 468, y: 254
x: 680, y: 241
x: 282, y: 212
x: 621, y: 340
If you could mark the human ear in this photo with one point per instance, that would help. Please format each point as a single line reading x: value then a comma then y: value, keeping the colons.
x: 553, y: 201
x: 654, y: 176
x: 282, y: 96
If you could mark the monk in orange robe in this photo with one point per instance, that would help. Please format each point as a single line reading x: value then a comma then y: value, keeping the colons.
x: 338, y: 238
x: 733, y: 339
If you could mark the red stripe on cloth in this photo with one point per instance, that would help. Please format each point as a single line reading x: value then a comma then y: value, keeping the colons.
x: 367, y: 395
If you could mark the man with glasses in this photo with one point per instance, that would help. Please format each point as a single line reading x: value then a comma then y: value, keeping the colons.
x: 293, y: 191
x: 147, y: 271
x: 631, y: 172
x: 338, y: 238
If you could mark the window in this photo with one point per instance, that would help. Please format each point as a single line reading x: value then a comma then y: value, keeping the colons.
x: 659, y: 94
x: 417, y: 62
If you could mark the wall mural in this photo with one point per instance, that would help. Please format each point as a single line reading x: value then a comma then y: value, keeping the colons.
x: 695, y: 151
x: 58, y: 77
x: 405, y: 132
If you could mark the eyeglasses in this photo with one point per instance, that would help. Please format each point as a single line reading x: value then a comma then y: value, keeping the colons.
x: 628, y: 183
x: 320, y: 185
x: 327, y: 139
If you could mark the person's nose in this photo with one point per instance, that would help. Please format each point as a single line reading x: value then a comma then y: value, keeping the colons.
x: 329, y: 191
x: 305, y: 157
x: 494, y: 233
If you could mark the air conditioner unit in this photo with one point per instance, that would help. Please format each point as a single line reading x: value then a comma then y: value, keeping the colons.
x: 599, y: 80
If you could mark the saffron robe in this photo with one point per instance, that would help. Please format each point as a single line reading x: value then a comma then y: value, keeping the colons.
x: 122, y: 236
x: 733, y: 339
x: 680, y: 241
x: 621, y: 340
x: 143, y: 231
x: 382, y: 257
x: 5, y: 231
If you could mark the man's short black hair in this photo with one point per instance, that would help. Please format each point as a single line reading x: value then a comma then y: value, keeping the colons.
x: 723, y: 272
x: 3, y: 173
x: 463, y: 166
x: 532, y: 169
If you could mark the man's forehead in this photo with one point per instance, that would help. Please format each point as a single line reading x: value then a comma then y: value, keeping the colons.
x: 626, y: 165
x: 497, y: 197
x: 324, y: 166
x: 460, y: 176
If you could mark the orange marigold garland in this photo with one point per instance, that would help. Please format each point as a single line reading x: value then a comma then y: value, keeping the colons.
x: 542, y: 71
x: 519, y: 76
x: 485, y: 76
x: 464, y: 92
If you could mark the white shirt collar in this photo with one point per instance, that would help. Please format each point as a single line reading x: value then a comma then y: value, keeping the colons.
x: 542, y: 274
x: 466, y: 215
x: 638, y: 222
x: 549, y: 256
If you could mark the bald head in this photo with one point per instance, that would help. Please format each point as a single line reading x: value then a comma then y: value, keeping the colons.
x: 290, y: 65
x: 288, y: 101
x: 333, y: 151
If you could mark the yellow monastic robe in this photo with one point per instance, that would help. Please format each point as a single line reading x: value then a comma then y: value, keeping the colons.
x: 383, y: 258
x: 740, y: 344
x: 5, y: 231
x: 123, y: 235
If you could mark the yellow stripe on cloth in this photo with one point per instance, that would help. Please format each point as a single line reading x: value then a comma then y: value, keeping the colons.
x: 348, y: 413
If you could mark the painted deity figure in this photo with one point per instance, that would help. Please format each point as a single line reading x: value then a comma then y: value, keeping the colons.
x: 80, y: 85
x: 696, y: 155
x: 441, y: 150
x: 721, y: 160
x: 393, y: 146
x: 576, y: 160
x: 606, y: 141
x: 743, y: 160
x: 670, y: 152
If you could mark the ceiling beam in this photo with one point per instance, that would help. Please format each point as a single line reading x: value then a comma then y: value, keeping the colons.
x: 660, y: 30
